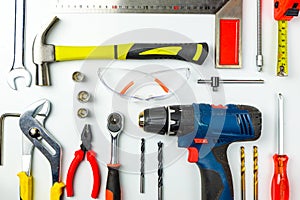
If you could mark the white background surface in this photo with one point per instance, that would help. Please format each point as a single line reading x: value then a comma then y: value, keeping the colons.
x: 181, y: 179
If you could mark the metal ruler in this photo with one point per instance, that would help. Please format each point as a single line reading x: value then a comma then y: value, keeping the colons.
x: 282, y: 59
x: 141, y: 6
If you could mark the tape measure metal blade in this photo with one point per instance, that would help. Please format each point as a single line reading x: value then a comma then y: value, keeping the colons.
x: 141, y: 6
x: 282, y: 57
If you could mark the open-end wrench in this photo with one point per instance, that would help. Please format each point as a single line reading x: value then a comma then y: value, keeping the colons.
x: 18, y: 69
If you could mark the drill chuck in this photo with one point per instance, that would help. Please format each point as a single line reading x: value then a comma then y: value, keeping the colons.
x: 170, y: 120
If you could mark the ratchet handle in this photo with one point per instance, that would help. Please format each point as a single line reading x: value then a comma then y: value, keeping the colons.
x: 280, y: 183
x: 113, y: 188
x: 26, y: 185
x: 56, y: 190
x: 79, y: 155
x: 91, y: 157
x: 216, y: 180
x: 190, y: 52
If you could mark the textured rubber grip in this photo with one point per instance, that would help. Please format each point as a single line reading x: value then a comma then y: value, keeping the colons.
x: 190, y: 52
x: 113, y: 188
x: 216, y: 180
x: 26, y: 185
x: 91, y: 157
x: 56, y: 191
x: 79, y: 155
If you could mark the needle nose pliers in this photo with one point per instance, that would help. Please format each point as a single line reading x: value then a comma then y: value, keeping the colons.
x: 85, y: 148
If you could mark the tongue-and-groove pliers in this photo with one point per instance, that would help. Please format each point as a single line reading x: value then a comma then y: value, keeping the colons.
x: 32, y: 125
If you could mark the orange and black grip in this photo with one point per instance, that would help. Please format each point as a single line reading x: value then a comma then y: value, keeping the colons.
x: 113, y: 188
x: 190, y: 52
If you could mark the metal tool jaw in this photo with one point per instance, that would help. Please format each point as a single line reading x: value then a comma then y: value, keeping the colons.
x: 86, y: 138
x: 32, y: 125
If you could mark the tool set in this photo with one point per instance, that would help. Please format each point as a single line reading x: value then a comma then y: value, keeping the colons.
x: 205, y: 130
x: 198, y: 128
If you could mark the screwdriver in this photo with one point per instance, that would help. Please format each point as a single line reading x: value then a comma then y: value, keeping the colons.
x: 280, y: 184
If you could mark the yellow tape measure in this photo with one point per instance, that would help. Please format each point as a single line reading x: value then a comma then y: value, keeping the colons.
x: 282, y: 57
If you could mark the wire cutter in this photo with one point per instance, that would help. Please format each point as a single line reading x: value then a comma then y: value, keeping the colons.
x: 85, y: 148
x: 32, y: 125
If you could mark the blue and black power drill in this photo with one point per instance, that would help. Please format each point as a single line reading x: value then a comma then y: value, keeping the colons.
x: 206, y: 131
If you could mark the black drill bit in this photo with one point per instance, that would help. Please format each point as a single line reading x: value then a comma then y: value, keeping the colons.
x: 142, y: 176
x: 160, y: 171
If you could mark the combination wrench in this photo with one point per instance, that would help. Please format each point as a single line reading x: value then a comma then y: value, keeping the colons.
x: 18, y: 69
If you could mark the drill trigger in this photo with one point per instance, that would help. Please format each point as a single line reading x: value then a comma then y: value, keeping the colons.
x: 193, y: 154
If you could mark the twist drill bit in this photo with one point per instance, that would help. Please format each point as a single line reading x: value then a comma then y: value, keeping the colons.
x: 160, y: 171
x: 243, y: 170
x: 142, y: 176
x: 255, y: 173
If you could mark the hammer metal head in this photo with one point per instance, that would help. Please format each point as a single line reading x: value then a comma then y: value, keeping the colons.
x: 43, y: 54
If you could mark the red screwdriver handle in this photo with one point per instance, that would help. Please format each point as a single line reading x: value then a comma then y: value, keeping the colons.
x: 91, y: 157
x: 79, y: 155
x: 280, y: 183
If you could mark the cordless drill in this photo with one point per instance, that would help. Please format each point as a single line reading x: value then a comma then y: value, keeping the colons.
x: 206, y: 131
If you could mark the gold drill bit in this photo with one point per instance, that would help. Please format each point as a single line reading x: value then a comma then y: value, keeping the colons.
x: 243, y: 169
x: 255, y: 173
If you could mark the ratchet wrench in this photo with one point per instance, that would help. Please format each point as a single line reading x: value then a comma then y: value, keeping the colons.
x: 115, y: 123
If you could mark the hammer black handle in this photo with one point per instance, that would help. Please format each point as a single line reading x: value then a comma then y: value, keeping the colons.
x: 190, y: 52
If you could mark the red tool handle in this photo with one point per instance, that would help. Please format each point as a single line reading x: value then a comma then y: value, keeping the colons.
x: 79, y: 155
x: 91, y: 157
x: 113, y: 188
x: 280, y: 183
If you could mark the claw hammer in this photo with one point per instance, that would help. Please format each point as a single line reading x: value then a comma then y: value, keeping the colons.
x: 46, y: 53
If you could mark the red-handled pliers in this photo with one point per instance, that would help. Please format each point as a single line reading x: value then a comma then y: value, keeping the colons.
x: 85, y: 147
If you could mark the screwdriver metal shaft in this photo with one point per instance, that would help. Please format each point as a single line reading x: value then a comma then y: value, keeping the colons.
x: 280, y: 183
